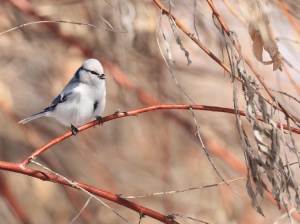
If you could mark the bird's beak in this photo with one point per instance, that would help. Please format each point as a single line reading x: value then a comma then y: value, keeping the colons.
x: 102, y: 76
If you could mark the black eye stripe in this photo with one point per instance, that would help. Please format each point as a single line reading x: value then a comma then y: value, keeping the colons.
x: 93, y: 72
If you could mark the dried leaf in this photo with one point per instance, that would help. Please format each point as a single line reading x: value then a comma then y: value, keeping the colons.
x: 263, y: 37
x: 257, y: 47
x: 270, y: 42
x: 251, y: 31
x: 277, y: 61
x: 263, y: 107
x: 254, y: 202
x: 168, y: 50
x: 262, y: 146
x: 178, y: 41
x: 285, y: 205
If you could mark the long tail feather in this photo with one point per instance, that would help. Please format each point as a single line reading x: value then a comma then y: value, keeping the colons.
x: 41, y: 114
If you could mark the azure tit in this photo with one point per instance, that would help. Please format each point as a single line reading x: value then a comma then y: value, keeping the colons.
x: 81, y: 101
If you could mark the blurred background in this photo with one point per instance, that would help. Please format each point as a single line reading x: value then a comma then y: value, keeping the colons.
x: 151, y: 152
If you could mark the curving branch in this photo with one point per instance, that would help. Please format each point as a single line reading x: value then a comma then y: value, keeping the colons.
x: 20, y: 168
x: 134, y: 113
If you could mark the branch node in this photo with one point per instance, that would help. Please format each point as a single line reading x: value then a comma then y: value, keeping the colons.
x: 118, y: 111
x: 171, y: 217
x: 142, y: 215
x: 30, y: 159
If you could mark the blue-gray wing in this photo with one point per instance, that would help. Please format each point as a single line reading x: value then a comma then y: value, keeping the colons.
x: 63, y: 97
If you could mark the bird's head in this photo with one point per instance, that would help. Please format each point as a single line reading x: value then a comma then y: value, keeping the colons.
x: 94, y: 69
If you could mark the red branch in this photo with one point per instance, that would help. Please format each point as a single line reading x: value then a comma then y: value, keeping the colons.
x: 136, y: 112
x: 20, y: 168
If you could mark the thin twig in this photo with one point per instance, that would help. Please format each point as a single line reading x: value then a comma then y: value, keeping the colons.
x: 195, y: 6
x: 87, y: 202
x: 208, y: 156
x: 61, y: 21
x: 289, y: 64
x: 287, y: 71
x: 158, y: 27
x: 187, y: 217
x: 195, y: 188
x: 101, y: 16
x: 73, y: 184
x: 290, y: 96
x: 284, y: 215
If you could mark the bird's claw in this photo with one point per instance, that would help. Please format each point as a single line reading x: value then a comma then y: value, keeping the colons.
x: 74, y: 130
x: 100, y: 119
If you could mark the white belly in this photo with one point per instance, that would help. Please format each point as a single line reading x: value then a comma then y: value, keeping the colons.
x: 79, y: 109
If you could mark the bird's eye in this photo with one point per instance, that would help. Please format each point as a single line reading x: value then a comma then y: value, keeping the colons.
x: 93, y: 72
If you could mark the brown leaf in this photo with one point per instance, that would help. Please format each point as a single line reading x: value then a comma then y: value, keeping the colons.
x: 257, y: 47
x: 251, y: 31
x: 277, y: 61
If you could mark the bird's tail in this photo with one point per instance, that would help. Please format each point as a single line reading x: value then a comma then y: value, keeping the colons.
x: 41, y: 114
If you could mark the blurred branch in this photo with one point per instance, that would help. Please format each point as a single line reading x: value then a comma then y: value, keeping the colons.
x: 5, y: 190
x: 289, y: 64
x: 20, y: 168
x: 134, y: 113
x: 288, y: 16
x: 287, y: 71
x: 288, y: 95
x: 234, y: 12
x: 225, y: 28
x: 203, y: 146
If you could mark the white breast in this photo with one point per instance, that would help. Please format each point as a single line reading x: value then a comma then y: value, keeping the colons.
x: 79, y: 107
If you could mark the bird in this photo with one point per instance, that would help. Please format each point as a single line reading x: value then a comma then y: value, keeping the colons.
x: 82, y: 100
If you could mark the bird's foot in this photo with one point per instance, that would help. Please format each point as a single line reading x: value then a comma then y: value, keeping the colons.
x: 74, y: 130
x: 100, y: 119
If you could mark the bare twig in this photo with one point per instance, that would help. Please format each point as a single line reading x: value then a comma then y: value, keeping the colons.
x: 61, y: 21
x: 208, y: 156
x: 101, y: 16
x: 87, y: 202
x: 73, y: 184
x: 287, y: 71
x: 288, y: 95
x: 195, y: 188
x: 187, y: 217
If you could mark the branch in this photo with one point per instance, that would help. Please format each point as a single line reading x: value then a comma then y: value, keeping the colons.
x: 134, y: 113
x: 225, y: 28
x: 287, y: 71
x: 227, y: 69
x: 20, y: 168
